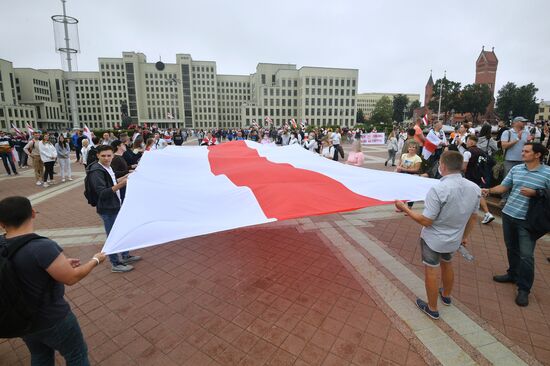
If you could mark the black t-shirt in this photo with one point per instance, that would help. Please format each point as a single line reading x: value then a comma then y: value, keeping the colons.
x: 30, y: 263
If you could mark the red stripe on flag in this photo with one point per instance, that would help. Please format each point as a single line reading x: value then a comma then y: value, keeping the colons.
x: 283, y: 191
x: 430, y: 146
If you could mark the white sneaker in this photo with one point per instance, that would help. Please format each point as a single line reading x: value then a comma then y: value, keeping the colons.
x: 70, y: 178
x: 45, y: 185
x: 52, y: 182
x: 487, y: 218
x: 63, y: 180
x: 39, y: 183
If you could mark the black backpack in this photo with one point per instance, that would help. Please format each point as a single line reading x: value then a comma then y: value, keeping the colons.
x: 16, y: 313
x: 89, y: 191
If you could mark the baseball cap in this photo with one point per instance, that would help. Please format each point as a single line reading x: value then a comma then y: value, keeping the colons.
x: 520, y: 119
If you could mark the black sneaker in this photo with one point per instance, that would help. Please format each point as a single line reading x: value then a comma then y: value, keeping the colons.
x: 522, y: 299
x: 445, y: 300
x: 422, y: 305
x: 506, y: 278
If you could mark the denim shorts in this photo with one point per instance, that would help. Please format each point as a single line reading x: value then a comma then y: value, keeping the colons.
x: 432, y: 258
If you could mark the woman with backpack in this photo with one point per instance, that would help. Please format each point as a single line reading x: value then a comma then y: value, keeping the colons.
x: 63, y: 151
x: 327, y: 150
x: 48, y: 154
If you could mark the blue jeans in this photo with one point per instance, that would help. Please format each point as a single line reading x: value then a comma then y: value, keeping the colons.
x: 520, y: 248
x: 7, y: 159
x: 108, y: 222
x: 65, y: 337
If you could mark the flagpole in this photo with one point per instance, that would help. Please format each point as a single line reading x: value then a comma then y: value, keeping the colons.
x: 440, y: 92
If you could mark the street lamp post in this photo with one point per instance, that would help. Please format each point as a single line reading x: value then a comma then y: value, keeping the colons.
x: 452, y: 115
x: 510, y: 115
x: 440, y: 94
x: 404, y: 112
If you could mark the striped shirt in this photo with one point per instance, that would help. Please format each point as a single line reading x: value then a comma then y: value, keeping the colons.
x: 519, y: 176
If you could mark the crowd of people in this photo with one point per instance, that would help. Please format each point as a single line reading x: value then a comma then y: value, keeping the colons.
x: 464, y: 163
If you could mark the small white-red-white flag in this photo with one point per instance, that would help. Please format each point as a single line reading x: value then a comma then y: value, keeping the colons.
x: 293, y: 123
x: 425, y: 120
x: 30, y: 129
x: 88, y: 134
x: 268, y: 120
x: 431, y: 144
x: 18, y: 131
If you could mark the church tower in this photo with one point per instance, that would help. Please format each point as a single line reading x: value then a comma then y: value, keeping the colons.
x: 429, y: 91
x: 486, y: 72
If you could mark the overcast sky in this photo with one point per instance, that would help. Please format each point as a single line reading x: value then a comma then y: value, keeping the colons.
x: 394, y: 44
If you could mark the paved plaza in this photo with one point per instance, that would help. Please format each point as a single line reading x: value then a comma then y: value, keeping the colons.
x: 328, y: 290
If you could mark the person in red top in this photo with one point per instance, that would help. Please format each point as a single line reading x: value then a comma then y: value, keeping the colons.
x: 209, y: 140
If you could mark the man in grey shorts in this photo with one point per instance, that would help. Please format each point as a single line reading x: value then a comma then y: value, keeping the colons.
x: 450, y: 212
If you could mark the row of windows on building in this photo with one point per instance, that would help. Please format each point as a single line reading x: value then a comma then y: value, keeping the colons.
x: 236, y: 84
x: 163, y: 113
x: 113, y: 81
x: 113, y: 73
x: 18, y: 113
x: 161, y: 89
x: 111, y: 66
x: 233, y: 91
x: 40, y: 82
x: 277, y: 102
x: 88, y: 82
x: 284, y: 92
x: 328, y: 112
x: 330, y: 101
x: 337, y: 92
x: 42, y: 91
x: 203, y: 76
x: 330, y: 81
x: 203, y: 69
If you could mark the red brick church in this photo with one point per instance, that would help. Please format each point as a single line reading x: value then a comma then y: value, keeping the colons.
x: 486, y: 73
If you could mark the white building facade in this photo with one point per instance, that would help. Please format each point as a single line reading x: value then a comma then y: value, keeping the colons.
x: 185, y: 94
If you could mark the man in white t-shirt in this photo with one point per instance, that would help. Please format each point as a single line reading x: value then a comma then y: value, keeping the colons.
x: 336, y: 138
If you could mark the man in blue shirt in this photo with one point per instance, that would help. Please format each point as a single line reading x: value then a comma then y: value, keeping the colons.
x: 522, y: 183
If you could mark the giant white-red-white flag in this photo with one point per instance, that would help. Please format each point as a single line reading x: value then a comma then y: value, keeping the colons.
x: 243, y: 183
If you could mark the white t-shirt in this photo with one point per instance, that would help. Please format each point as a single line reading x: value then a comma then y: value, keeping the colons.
x: 113, y: 178
x: 336, y: 138
x: 467, y: 155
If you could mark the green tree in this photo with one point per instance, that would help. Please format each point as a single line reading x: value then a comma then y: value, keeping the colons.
x: 474, y: 99
x: 360, y: 117
x: 383, y: 111
x: 521, y: 101
x: 450, y: 96
x: 400, y: 102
